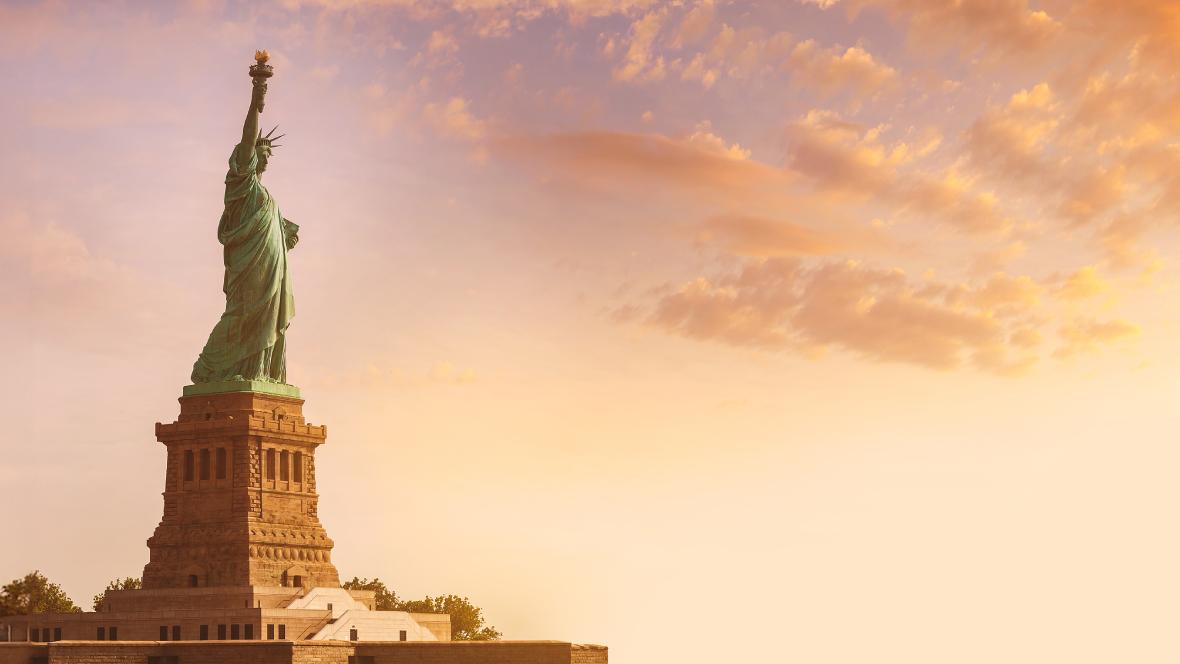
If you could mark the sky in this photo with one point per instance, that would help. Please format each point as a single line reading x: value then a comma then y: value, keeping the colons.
x: 768, y: 330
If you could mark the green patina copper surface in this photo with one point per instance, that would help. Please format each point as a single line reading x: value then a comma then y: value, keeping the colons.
x: 249, y: 341
x: 281, y: 389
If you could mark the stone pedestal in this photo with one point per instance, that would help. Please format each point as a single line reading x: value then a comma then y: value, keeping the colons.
x: 240, y: 495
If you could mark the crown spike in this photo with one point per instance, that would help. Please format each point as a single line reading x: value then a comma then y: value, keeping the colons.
x: 267, y: 137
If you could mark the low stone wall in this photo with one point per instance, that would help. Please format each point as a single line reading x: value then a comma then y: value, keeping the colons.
x: 188, y: 652
x: 588, y: 654
x: 305, y: 652
x: 476, y: 652
x: 20, y: 653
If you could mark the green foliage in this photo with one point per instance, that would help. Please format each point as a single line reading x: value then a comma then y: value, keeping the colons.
x: 386, y: 599
x: 34, y: 594
x: 130, y: 583
x: 467, y: 621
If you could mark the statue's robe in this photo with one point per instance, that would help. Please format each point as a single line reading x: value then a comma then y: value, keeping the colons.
x: 249, y: 340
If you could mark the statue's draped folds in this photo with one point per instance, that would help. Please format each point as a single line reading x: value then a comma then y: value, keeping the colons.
x: 248, y: 342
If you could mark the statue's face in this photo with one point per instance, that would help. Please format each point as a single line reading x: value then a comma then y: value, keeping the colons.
x: 263, y: 153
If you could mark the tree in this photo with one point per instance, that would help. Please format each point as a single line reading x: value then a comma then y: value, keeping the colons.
x: 386, y: 599
x: 34, y: 594
x: 467, y: 621
x: 130, y: 583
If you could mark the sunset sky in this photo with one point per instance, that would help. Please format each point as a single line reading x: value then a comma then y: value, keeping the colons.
x: 713, y: 331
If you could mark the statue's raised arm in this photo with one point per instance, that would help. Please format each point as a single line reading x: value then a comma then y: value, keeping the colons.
x: 259, y: 73
x: 257, y: 100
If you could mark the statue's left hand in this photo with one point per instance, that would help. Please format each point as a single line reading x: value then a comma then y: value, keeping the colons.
x: 290, y: 233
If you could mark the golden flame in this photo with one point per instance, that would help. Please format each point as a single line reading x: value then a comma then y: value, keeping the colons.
x: 261, y: 56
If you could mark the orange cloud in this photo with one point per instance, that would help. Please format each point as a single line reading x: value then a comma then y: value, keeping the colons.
x: 1152, y: 27
x: 848, y: 157
x: 700, y: 160
x: 759, y: 237
x: 842, y: 155
x: 995, y: 260
x: 695, y: 25
x: 1082, y: 284
x: 877, y: 314
x: 830, y: 69
x: 1003, y: 26
x: 1087, y: 335
x: 1005, y: 295
x: 1100, y: 153
x: 1010, y: 139
x: 455, y: 120
x: 752, y: 309
x: 1121, y: 241
x: 640, y: 63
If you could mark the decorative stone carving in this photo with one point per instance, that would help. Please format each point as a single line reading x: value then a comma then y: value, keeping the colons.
x: 226, y: 526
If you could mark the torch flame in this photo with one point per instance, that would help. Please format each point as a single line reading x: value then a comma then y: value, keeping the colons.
x: 261, y: 56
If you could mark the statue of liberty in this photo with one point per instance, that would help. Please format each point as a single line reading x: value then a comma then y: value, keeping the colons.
x: 248, y: 343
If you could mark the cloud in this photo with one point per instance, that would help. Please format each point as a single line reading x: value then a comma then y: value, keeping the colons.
x: 706, y: 141
x: 1099, y: 154
x: 780, y: 304
x: 577, y: 10
x: 830, y: 69
x: 695, y: 25
x: 1010, y: 139
x: 759, y: 237
x: 997, y: 259
x: 747, y: 52
x: 1150, y: 27
x: 843, y: 155
x: 848, y: 157
x: 698, y: 70
x: 699, y: 163
x: 1087, y: 335
x: 1121, y: 242
x: 454, y: 119
x: 442, y: 43
x: 640, y: 63
x: 727, y: 312
x: 1003, y: 294
x: 1082, y: 284
x: 1002, y: 26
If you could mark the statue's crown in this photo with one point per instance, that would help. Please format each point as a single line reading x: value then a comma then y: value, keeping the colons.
x: 267, y: 140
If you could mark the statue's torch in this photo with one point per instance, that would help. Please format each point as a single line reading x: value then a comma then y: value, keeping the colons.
x: 260, y: 69
x: 259, y: 72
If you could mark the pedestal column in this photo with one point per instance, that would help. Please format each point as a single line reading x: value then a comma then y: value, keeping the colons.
x: 240, y: 502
